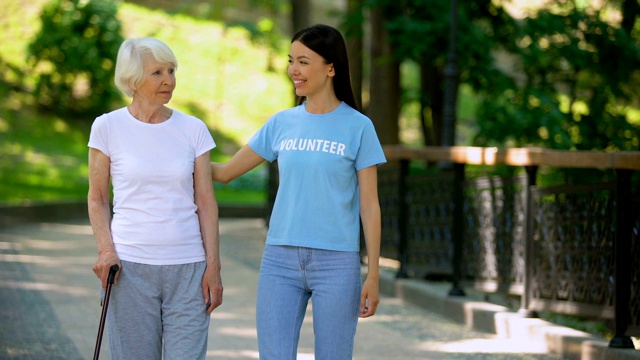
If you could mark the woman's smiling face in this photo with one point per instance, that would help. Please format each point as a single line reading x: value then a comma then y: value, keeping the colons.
x: 309, y: 71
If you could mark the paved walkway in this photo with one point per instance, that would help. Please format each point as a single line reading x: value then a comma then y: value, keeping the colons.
x: 49, y: 305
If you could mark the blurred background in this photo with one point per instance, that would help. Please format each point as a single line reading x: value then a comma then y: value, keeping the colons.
x: 561, y: 74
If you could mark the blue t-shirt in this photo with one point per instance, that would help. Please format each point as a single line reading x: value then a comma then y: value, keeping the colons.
x: 317, y: 204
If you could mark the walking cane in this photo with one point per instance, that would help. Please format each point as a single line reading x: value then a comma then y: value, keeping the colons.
x: 110, y: 279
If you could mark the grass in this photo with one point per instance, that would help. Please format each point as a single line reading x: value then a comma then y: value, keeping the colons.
x: 592, y: 326
x: 230, y: 82
x: 44, y: 161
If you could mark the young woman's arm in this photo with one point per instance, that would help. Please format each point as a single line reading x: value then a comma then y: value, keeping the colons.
x: 243, y: 161
x: 98, y: 200
x: 209, y: 228
x: 371, y: 225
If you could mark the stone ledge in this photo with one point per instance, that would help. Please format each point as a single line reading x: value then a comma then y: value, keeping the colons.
x: 565, y: 342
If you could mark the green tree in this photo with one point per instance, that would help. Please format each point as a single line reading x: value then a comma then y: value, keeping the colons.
x: 564, y: 77
x: 418, y: 30
x: 74, y: 56
x: 577, y: 77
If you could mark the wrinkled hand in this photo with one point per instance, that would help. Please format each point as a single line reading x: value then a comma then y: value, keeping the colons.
x: 212, y: 288
x: 370, y: 298
x: 101, y: 268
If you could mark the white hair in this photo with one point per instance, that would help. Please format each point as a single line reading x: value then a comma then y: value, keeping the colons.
x: 130, y: 61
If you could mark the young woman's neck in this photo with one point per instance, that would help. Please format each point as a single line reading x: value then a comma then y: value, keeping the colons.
x: 319, y: 104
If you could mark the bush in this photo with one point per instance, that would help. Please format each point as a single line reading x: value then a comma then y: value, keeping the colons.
x: 74, y: 56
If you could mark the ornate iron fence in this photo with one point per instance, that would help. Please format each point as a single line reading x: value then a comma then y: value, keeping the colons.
x: 494, y: 233
x: 573, y: 250
x: 566, y: 249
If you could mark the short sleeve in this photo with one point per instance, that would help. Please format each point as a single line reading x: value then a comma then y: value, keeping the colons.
x: 98, y: 138
x: 370, y: 152
x: 262, y: 141
x: 203, y: 139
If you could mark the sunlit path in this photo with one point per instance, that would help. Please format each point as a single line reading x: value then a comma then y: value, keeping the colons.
x: 49, y: 305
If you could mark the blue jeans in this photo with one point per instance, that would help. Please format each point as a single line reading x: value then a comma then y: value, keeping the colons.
x: 289, y: 277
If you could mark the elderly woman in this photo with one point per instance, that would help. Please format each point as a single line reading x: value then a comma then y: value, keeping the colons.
x: 164, y: 229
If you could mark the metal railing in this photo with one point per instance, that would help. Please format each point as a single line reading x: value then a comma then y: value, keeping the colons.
x: 570, y: 249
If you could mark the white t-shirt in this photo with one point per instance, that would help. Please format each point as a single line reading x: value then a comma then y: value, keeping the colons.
x: 152, y: 166
x: 319, y: 155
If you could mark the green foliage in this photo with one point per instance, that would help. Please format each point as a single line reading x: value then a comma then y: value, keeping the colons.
x: 223, y: 79
x: 565, y: 77
x: 574, y: 88
x: 429, y: 21
x: 598, y: 327
x: 42, y: 157
x: 74, y: 56
x: 417, y: 19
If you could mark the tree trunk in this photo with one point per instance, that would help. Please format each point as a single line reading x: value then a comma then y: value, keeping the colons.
x: 300, y: 19
x: 431, y: 104
x: 630, y: 10
x: 354, y: 38
x: 384, y: 103
x: 300, y: 14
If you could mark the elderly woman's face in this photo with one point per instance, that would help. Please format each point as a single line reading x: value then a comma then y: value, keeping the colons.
x: 158, y: 81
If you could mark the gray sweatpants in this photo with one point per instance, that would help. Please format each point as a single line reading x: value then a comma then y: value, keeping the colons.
x: 156, y: 309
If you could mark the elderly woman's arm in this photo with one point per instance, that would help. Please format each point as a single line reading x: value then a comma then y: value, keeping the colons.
x: 209, y: 228
x: 98, y: 201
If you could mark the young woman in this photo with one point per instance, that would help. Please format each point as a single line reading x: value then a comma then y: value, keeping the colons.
x: 164, y: 230
x: 327, y: 155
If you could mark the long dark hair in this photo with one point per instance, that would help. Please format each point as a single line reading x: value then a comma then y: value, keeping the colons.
x: 328, y: 42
